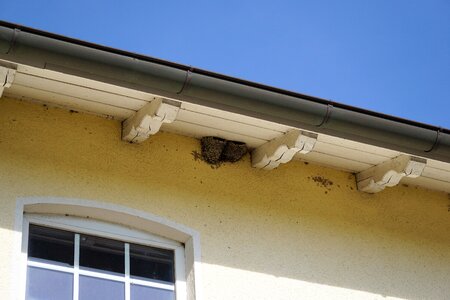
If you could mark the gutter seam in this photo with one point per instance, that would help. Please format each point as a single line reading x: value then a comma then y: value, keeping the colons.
x: 187, y: 80
x: 327, y: 116
x: 13, y: 40
x: 436, y: 141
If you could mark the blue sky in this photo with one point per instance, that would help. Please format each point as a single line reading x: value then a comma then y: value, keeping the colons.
x: 391, y: 56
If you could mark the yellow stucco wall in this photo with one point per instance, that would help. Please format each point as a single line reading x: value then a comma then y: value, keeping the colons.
x: 264, y: 235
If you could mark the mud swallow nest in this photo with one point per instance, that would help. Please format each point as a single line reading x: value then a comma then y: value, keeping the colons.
x: 216, y: 150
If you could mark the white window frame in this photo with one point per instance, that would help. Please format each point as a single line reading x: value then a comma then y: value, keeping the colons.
x: 110, y: 231
x: 145, y: 227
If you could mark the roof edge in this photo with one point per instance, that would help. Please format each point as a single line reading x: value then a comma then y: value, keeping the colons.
x: 46, y: 50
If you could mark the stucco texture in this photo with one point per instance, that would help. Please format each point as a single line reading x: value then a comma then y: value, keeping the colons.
x: 278, y: 234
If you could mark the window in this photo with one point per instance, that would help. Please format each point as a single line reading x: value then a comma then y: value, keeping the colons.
x: 78, y: 258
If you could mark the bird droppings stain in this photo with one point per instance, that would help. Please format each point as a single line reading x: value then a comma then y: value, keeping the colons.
x: 197, y: 156
x: 322, y: 181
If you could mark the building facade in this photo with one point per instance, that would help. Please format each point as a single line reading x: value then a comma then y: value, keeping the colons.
x: 302, y: 230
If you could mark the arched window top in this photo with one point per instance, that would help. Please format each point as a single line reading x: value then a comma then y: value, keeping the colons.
x: 108, y: 212
x: 114, y: 223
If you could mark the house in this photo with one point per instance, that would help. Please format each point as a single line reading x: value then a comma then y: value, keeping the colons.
x: 106, y: 192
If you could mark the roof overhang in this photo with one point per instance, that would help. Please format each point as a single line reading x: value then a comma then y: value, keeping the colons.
x: 117, y: 84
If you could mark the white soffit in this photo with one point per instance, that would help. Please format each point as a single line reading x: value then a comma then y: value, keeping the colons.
x: 111, y: 101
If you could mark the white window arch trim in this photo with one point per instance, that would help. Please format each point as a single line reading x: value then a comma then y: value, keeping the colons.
x: 116, y: 214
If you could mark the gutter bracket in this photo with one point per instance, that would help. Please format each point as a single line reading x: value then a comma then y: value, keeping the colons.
x: 6, y: 78
x: 148, y: 120
x: 389, y: 173
x: 282, y: 149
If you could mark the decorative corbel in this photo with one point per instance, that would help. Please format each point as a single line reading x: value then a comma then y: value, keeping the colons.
x: 6, y: 78
x: 148, y: 120
x: 282, y: 149
x: 389, y: 173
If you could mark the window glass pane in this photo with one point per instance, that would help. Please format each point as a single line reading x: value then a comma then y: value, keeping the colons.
x: 51, y: 244
x: 102, y: 254
x: 43, y: 284
x: 151, y: 263
x: 96, y: 288
x: 139, y: 292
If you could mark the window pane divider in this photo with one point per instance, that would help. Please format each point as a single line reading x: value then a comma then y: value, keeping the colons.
x: 163, y: 286
x: 76, y: 267
x: 43, y: 265
x: 127, y: 272
x: 118, y: 278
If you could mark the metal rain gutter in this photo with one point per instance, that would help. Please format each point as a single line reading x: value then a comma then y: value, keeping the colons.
x: 23, y: 45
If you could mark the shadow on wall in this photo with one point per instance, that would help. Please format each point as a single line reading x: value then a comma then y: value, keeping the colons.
x: 338, y: 254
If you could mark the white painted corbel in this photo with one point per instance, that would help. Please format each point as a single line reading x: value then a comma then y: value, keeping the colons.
x: 148, y: 120
x: 389, y: 173
x: 6, y: 78
x: 282, y: 149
